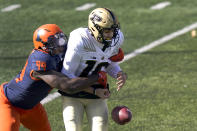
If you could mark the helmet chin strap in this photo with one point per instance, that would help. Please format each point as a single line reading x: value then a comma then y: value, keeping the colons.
x: 106, y: 45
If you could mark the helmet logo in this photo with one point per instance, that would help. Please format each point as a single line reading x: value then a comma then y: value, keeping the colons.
x: 40, y: 33
x: 95, y: 17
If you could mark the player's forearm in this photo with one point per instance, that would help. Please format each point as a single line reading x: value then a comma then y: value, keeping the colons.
x: 89, y: 90
x: 113, y: 69
x: 52, y: 78
x: 80, y: 83
x: 65, y: 84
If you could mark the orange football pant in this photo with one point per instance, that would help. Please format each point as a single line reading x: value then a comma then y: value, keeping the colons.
x: 34, y: 119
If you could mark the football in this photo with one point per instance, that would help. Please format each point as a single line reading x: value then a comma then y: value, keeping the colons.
x: 121, y: 115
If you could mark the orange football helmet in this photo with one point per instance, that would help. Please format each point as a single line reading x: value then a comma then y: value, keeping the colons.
x: 48, y: 37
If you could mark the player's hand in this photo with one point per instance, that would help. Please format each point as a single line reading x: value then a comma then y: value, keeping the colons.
x: 102, y: 78
x: 102, y: 93
x: 121, y: 78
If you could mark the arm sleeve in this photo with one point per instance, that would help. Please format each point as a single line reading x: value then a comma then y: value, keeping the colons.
x: 72, y: 57
x: 113, y: 69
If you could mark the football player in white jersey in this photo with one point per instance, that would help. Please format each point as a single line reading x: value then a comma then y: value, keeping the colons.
x: 95, y: 49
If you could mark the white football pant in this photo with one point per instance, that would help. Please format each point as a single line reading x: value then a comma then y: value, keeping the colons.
x: 96, y: 111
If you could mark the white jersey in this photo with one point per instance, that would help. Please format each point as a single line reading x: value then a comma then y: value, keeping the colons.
x: 84, y: 54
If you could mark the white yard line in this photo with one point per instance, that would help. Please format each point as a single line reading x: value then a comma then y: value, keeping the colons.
x: 136, y: 52
x: 160, y: 6
x: 160, y: 41
x: 11, y: 8
x: 85, y: 6
x: 50, y: 97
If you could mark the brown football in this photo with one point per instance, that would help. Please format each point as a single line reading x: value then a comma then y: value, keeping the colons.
x: 121, y: 115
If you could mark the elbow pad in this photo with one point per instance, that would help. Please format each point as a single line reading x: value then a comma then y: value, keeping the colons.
x: 118, y: 57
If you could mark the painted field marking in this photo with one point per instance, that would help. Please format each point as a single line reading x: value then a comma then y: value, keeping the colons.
x: 136, y: 52
x: 50, y: 97
x: 159, y: 41
x: 85, y: 6
x: 11, y: 8
x: 160, y: 6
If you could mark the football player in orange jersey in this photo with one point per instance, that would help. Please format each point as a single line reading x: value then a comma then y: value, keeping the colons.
x: 90, y: 50
x: 20, y: 98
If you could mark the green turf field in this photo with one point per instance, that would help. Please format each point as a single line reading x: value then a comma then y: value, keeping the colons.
x: 161, y: 89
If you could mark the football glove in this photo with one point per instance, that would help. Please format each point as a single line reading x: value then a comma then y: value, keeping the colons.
x: 102, y: 78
